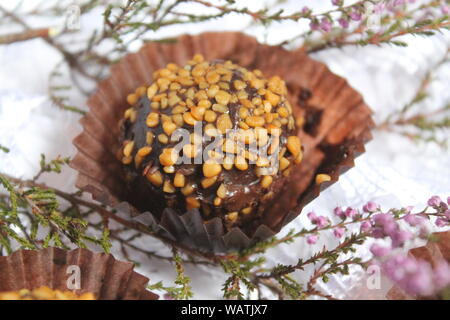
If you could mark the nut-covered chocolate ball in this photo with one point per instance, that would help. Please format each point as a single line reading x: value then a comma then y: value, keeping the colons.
x: 211, y: 136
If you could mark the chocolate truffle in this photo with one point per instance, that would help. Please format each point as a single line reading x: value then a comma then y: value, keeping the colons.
x: 211, y: 136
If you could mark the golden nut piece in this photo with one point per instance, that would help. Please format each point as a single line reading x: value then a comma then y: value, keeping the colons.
x: 321, y: 178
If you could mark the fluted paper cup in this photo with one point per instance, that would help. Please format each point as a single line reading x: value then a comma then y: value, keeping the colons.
x: 99, y: 273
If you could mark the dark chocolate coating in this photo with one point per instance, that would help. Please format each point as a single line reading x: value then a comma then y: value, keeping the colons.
x: 244, y: 188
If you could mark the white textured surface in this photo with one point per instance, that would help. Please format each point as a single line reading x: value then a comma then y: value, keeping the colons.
x: 393, y: 171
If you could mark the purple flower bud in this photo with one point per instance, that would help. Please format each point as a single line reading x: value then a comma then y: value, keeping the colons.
x: 448, y: 201
x: 434, y: 201
x: 424, y: 231
x: 380, y: 7
x: 343, y: 23
x: 400, y: 237
x: 442, y: 275
x: 306, y: 11
x: 325, y: 24
x: 314, y: 25
x: 441, y: 222
x: 312, y: 239
x: 445, y: 9
x: 351, y: 213
x: 378, y: 233
x: 420, y: 282
x: 447, y: 213
x: 321, y: 222
x: 355, y: 16
x: 339, y: 232
x: 339, y: 212
x: 370, y: 207
x: 379, y: 251
x: 167, y: 296
x: 337, y: 2
x: 312, y: 216
x: 414, y: 219
x: 399, y: 2
x: 366, y: 226
x: 383, y: 218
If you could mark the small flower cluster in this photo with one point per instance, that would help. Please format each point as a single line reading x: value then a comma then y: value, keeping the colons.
x: 358, y: 12
x: 416, y: 277
x: 436, y: 203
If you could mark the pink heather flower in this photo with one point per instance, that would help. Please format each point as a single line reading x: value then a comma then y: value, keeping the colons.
x: 379, y: 251
x: 343, y: 23
x: 337, y: 2
x: 445, y: 10
x: 339, y: 212
x: 370, y: 207
x: 393, y: 267
x: 383, y: 218
x: 399, y: 2
x: 448, y: 201
x: 434, y: 201
x: 339, y: 232
x: 314, y: 25
x: 325, y: 24
x: 424, y: 231
x: 167, y: 296
x: 312, y: 239
x: 441, y: 222
x: 351, y: 213
x: 378, y: 233
x: 413, y: 276
x: 420, y: 282
x: 306, y: 11
x: 442, y: 275
x: 312, y: 216
x: 366, y: 226
x: 385, y: 225
x: 356, y: 16
x: 414, y: 219
x: 447, y: 213
x: 400, y: 237
x: 321, y: 222
x: 380, y: 7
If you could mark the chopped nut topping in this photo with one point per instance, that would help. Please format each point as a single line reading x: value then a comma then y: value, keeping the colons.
x: 220, y: 96
x: 320, y: 178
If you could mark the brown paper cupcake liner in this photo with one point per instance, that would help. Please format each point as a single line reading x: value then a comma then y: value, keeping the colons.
x: 337, y: 124
x: 100, y: 273
x: 433, y: 252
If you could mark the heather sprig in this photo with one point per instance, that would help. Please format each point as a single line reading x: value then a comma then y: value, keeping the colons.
x: 29, y: 207
x: 182, y: 289
x: 365, y: 22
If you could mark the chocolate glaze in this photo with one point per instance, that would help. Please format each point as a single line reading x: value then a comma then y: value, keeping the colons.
x: 243, y: 187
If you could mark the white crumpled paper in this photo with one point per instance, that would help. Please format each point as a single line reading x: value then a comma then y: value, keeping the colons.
x: 394, y: 171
